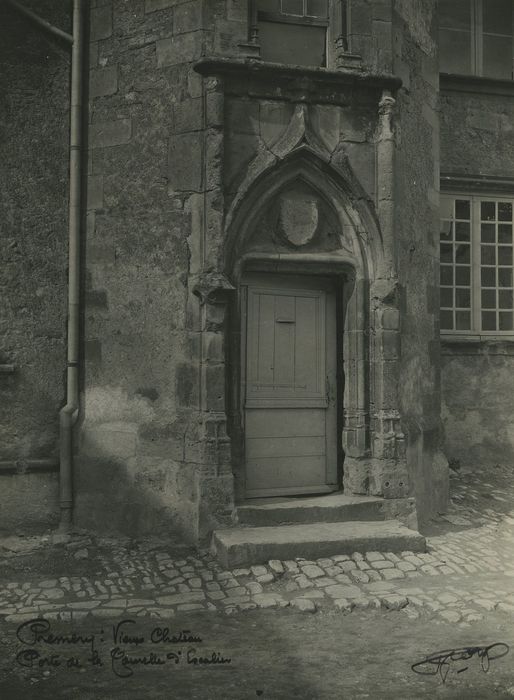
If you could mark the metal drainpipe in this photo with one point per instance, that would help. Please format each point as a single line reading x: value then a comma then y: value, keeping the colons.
x: 40, y: 22
x: 69, y: 413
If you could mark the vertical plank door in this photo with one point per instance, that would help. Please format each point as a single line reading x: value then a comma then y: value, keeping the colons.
x: 290, y: 377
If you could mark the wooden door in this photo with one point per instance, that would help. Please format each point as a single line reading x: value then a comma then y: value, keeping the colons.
x: 289, y: 372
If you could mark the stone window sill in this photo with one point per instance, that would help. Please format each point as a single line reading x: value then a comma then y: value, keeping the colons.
x: 476, y: 84
x: 453, y: 344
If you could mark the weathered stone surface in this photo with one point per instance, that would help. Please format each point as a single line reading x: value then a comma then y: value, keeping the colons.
x: 112, y: 133
x: 154, y: 5
x: 390, y: 574
x: 101, y: 23
x: 312, y: 571
x: 178, y: 49
x: 340, y: 591
x: 178, y: 598
x: 103, y: 81
x: 394, y: 602
x: 269, y: 600
x: 304, y: 604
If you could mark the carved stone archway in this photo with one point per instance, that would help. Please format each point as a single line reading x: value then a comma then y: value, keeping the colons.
x: 371, y: 436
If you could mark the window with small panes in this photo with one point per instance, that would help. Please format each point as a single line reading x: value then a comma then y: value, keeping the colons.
x: 476, y: 265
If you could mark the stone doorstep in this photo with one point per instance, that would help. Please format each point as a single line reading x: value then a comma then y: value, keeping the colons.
x: 335, y: 507
x: 243, y: 546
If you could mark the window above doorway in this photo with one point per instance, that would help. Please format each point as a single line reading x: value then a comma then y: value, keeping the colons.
x: 293, y: 31
x: 476, y: 37
x: 476, y: 266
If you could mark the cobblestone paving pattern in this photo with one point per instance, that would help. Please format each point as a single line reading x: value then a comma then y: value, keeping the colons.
x: 467, y: 572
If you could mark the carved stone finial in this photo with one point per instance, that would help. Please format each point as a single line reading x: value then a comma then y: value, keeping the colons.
x: 344, y: 59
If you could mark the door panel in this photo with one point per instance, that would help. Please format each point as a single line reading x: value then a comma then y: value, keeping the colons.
x: 290, y: 423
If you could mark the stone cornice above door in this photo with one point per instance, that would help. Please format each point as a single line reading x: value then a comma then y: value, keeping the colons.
x: 297, y: 83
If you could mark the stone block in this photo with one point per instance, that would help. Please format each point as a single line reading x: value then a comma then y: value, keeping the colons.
x: 214, y: 317
x: 214, y: 159
x: 361, y: 18
x: 213, y: 347
x: 482, y: 120
x: 382, y: 39
x: 95, y: 192
x: 243, y: 116
x: 215, y: 387
x: 154, y: 5
x: 381, y: 10
x: 390, y: 345
x: 215, y: 108
x: 178, y: 49
x: 180, y: 598
x: 241, y: 149
x: 186, y: 385
x: 103, y: 81
x: 100, y: 253
x: 194, y: 83
x: 90, y: 224
x: 391, y: 319
x: 237, y: 10
x: 110, y: 440
x: 93, y: 351
x: 340, y: 591
x: 187, y: 17
x: 93, y: 54
x: 113, y: 133
x: 185, y: 162
x: 101, y: 23
x: 96, y: 298
x: 187, y: 115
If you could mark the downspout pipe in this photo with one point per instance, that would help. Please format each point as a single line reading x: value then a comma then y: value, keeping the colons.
x: 69, y: 413
x: 40, y: 22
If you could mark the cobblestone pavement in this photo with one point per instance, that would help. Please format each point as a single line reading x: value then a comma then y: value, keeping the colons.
x: 467, y: 572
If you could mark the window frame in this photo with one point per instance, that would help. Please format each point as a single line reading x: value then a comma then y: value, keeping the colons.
x: 476, y: 38
x: 335, y: 24
x: 475, y: 199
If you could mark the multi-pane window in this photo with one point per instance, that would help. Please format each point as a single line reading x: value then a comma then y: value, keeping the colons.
x: 476, y: 271
x: 476, y: 37
x: 293, y: 31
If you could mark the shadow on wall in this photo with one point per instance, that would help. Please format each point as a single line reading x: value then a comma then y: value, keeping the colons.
x: 29, y: 503
x: 131, y: 476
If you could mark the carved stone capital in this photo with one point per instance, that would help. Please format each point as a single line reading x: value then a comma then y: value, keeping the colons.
x: 386, y: 109
x: 213, y: 288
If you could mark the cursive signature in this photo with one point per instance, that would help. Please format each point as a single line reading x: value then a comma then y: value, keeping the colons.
x: 441, y: 661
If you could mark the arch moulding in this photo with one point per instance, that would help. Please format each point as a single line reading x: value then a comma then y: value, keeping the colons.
x: 371, y: 436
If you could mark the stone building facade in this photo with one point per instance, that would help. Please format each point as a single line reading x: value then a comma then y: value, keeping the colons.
x: 222, y: 179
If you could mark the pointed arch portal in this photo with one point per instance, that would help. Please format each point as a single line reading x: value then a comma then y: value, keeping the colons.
x: 301, y: 246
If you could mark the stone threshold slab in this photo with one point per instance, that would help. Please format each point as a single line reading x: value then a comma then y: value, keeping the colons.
x: 242, y: 546
x: 334, y: 507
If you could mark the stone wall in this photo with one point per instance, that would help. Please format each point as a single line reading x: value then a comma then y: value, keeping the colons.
x: 34, y: 85
x: 168, y: 153
x: 478, y: 405
x: 417, y: 250
x: 477, y: 138
x: 137, y: 467
x: 477, y: 133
